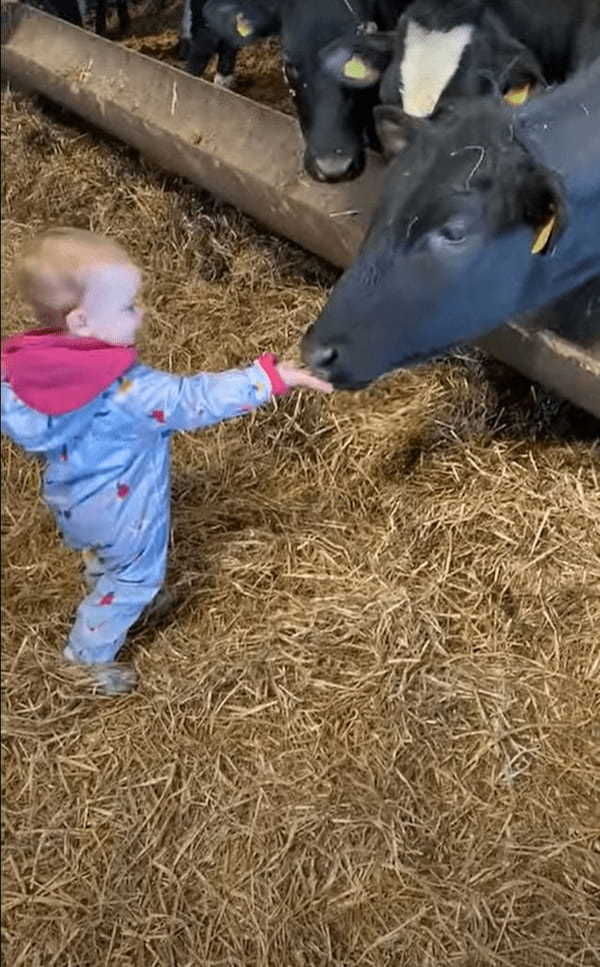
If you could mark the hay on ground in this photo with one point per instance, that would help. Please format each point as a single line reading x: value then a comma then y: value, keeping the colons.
x: 368, y: 736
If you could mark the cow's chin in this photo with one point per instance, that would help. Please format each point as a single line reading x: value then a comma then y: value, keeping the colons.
x: 350, y: 385
x: 354, y: 382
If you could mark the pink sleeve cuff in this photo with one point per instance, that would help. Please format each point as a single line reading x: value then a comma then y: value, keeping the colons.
x: 268, y: 363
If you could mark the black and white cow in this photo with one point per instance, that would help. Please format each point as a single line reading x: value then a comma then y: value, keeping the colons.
x: 486, y: 213
x: 442, y: 50
x: 335, y: 122
x: 198, y: 43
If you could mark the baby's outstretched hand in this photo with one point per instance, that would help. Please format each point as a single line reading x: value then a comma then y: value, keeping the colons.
x: 293, y: 375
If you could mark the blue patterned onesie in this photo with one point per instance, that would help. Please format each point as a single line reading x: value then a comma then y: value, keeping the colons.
x: 107, y: 482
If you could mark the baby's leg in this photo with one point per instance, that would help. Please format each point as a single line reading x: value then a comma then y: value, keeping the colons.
x: 93, y: 570
x: 118, y: 597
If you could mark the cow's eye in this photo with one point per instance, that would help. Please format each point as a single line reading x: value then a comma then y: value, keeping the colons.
x: 454, y: 230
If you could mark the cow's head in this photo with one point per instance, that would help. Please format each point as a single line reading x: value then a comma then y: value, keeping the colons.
x: 336, y: 121
x: 429, y: 59
x: 464, y: 219
x: 242, y: 23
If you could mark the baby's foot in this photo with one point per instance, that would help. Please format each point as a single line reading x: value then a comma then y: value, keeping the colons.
x: 111, y: 677
x: 114, y: 678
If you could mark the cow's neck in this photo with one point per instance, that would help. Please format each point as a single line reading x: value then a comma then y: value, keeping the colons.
x: 562, y: 132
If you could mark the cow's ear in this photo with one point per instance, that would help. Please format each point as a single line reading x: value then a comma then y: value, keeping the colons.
x: 522, y: 80
x: 395, y: 129
x: 516, y: 72
x: 542, y: 210
x: 357, y: 62
x: 239, y: 23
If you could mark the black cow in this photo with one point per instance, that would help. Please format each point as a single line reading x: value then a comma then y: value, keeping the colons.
x: 335, y: 122
x: 198, y: 43
x: 486, y: 213
x: 74, y: 11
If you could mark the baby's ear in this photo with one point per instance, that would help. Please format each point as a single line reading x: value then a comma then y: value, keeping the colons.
x: 77, y: 321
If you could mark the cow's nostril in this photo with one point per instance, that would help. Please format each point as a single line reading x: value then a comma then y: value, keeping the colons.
x: 322, y: 358
x: 326, y: 355
x: 318, y: 356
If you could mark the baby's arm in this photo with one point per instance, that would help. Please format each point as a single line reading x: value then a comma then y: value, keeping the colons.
x: 191, y: 402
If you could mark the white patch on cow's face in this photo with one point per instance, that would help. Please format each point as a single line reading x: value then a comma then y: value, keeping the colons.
x: 82, y: 9
x: 186, y: 21
x: 431, y: 58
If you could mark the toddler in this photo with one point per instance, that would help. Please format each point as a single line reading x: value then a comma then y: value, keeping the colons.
x: 75, y: 393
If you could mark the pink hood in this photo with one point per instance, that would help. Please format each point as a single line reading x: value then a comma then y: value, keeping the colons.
x: 54, y: 373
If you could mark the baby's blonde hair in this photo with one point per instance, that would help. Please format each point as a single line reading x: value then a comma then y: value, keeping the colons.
x: 53, y: 268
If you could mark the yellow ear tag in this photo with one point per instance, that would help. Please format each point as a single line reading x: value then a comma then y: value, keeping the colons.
x: 356, y: 69
x: 243, y: 25
x: 517, y: 95
x: 541, y: 239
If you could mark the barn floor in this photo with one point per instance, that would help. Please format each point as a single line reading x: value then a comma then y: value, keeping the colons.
x: 369, y: 733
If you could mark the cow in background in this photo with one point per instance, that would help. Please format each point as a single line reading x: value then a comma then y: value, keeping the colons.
x: 337, y: 123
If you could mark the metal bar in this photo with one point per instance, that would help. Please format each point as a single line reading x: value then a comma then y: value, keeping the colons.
x: 242, y: 152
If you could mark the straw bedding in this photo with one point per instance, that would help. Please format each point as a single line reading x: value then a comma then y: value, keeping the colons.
x: 368, y: 734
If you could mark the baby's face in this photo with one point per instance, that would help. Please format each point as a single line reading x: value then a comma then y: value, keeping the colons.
x: 110, y: 304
